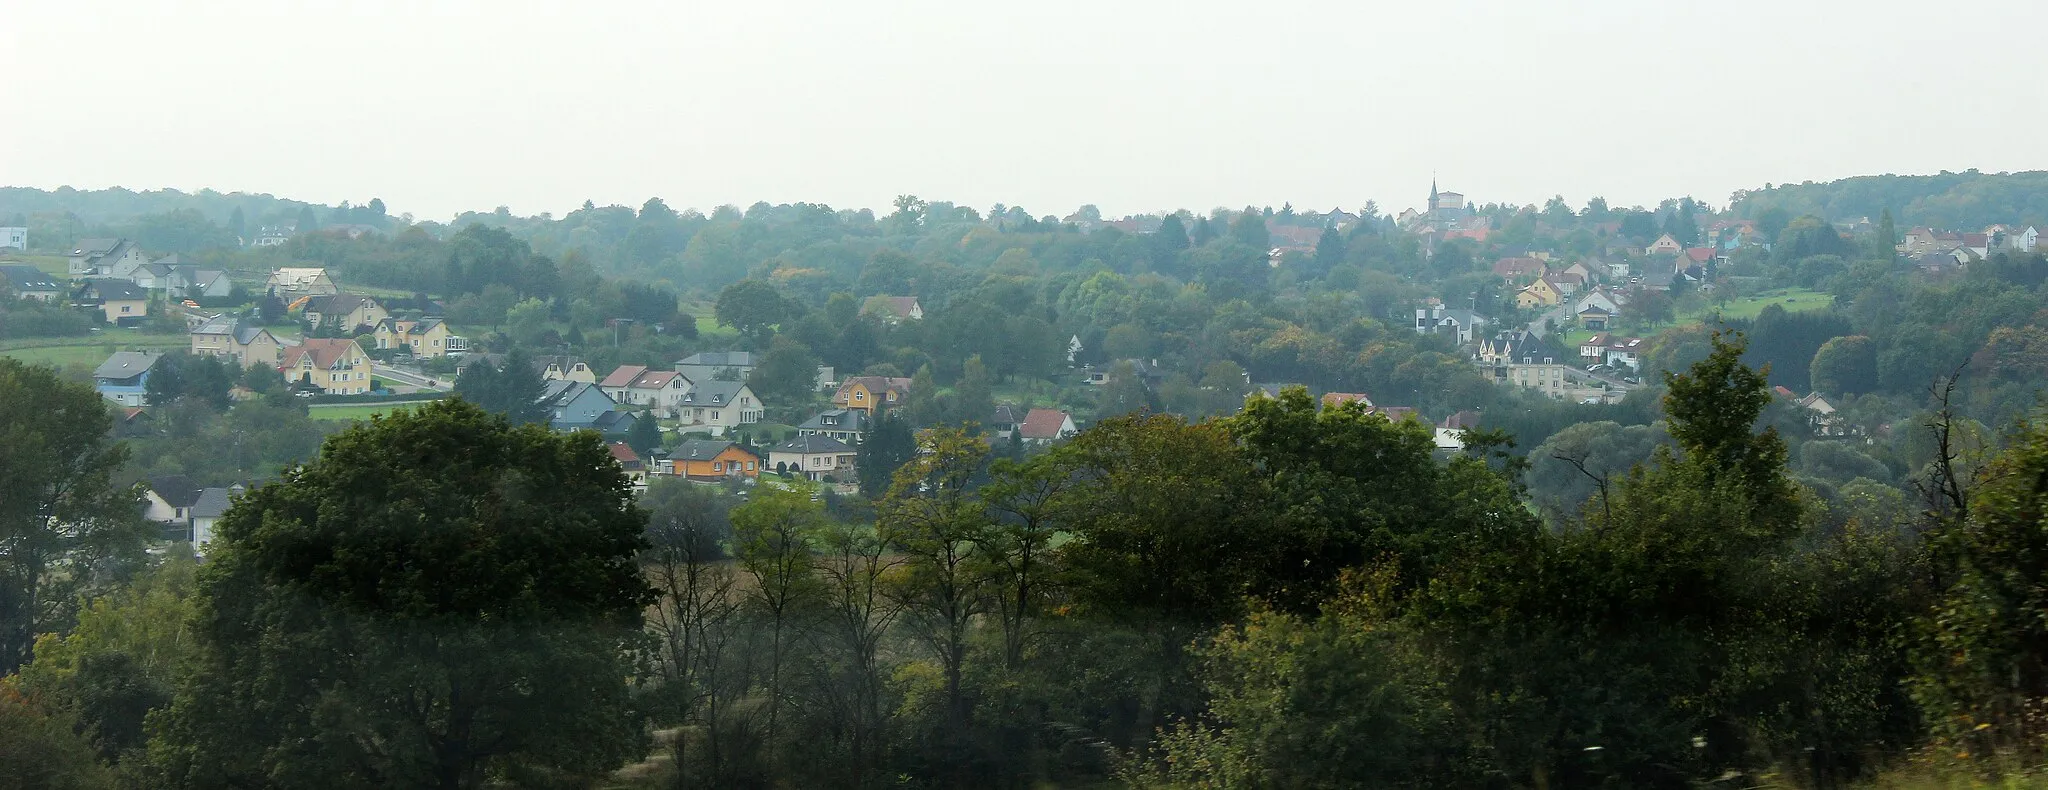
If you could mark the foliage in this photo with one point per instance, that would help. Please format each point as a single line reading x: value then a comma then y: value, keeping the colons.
x: 442, y: 598
x: 513, y: 389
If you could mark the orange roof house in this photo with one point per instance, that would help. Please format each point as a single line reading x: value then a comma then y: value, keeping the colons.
x: 867, y: 393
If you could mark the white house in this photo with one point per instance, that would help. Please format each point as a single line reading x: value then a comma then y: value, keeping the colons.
x: 719, y: 406
x: 14, y: 237
x: 813, y: 457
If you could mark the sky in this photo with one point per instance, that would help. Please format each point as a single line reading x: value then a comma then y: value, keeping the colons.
x: 441, y: 107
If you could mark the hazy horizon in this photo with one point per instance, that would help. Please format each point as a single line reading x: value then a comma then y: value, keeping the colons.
x: 447, y: 107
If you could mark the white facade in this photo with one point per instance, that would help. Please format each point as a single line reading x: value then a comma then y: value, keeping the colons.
x: 14, y: 237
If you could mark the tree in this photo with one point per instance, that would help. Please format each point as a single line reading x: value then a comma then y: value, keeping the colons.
x: 645, y: 436
x: 1249, y: 229
x: 788, y: 373
x: 1682, y: 225
x: 307, y: 222
x: 923, y: 406
x: 1125, y: 392
x: 1203, y: 233
x: 890, y: 444
x: 40, y: 750
x: 442, y: 599
x: 974, y: 397
x: 527, y: 322
x: 772, y: 536
x: 67, y: 529
x: 1887, y: 237
x: 751, y: 306
x: 238, y: 225
x: 1330, y: 251
x: 1845, y: 366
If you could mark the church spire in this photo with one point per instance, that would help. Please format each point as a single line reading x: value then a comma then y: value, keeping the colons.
x: 1432, y: 194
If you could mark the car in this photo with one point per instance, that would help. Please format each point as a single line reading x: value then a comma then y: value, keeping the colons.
x: 1592, y: 368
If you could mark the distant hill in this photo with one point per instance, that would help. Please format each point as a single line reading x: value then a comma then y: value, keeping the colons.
x: 1950, y: 200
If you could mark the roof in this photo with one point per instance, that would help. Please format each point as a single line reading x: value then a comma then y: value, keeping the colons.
x: 560, y: 362
x: 812, y: 444
x: 901, y: 306
x: 176, y: 490
x: 1462, y: 419
x: 656, y: 379
x: 125, y: 364
x: 720, y: 359
x: 292, y: 275
x: 876, y: 383
x: 1043, y: 424
x: 28, y: 278
x: 562, y: 392
x: 1700, y: 254
x: 713, y: 393
x: 1005, y: 414
x: 327, y: 352
x: 338, y: 303
x: 95, y: 247
x: 1510, y: 267
x: 110, y: 290
x: 212, y: 502
x: 703, y: 450
x: 614, y: 421
x: 622, y: 376
x: 843, y: 420
x: 1341, y: 398
x: 624, y: 454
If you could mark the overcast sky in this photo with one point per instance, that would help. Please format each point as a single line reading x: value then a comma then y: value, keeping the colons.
x: 438, y: 107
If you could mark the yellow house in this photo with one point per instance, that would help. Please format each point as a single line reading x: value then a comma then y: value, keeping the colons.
x: 427, y: 338
x: 347, y: 312
x: 122, y: 302
x: 1542, y: 293
x: 337, y: 366
x: 866, y: 393
x: 225, y: 336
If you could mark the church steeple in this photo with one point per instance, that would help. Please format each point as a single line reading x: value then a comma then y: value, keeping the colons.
x: 1432, y: 194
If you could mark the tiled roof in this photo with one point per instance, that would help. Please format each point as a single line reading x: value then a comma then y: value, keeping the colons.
x: 1043, y: 424
x: 622, y: 376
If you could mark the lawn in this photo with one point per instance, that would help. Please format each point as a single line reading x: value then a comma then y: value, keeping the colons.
x: 355, y: 411
x: 55, y: 265
x: 88, y: 350
x: 1794, y: 300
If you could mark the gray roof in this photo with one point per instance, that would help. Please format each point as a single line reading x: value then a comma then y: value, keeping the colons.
x: 698, y: 450
x: 847, y: 420
x: 92, y: 247
x: 713, y: 393
x: 28, y: 278
x: 338, y: 303
x: 614, y: 421
x: 125, y: 364
x: 720, y: 359
x: 117, y: 289
x: 177, y: 490
x: 156, y: 269
x: 812, y: 444
x: 213, y: 503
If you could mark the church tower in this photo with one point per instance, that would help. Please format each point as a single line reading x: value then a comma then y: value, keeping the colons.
x: 1432, y: 197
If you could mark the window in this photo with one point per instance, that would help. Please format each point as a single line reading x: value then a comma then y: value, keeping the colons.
x: 859, y: 395
x: 750, y: 466
x: 126, y: 308
x: 714, y: 415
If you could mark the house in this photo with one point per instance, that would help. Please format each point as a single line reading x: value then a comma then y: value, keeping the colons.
x: 893, y: 309
x: 29, y: 282
x: 1004, y: 420
x: 426, y: 338
x: 717, y: 365
x: 719, y: 405
x: 14, y: 237
x: 813, y: 457
x: 292, y: 282
x: 1044, y: 426
x: 333, y: 365
x: 1567, y: 283
x: 1461, y: 324
x: 350, y: 313
x: 192, y: 282
x: 132, y: 421
x: 1665, y: 245
x: 1700, y: 256
x: 1517, y: 268
x: 846, y: 425
x: 207, y: 511
x: 1584, y: 272
x: 123, y: 376
x: 1821, y: 415
x: 576, y: 405
x: 122, y: 303
x: 168, y: 499
x: 1525, y: 359
x: 1595, y: 318
x: 559, y: 368
x: 660, y: 390
x: 1626, y: 352
x: 1148, y: 372
x: 630, y: 463
x: 1335, y: 399
x: 709, y: 459
x: 148, y: 277
x: 226, y: 336
x: 1593, y: 350
x: 867, y: 393
x: 104, y: 257
x: 1542, y: 293
x: 272, y: 236
x: 615, y: 383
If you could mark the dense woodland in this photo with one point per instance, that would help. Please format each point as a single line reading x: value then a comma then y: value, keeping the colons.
x: 1687, y: 588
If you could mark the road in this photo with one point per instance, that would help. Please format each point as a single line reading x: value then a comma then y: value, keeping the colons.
x: 413, y: 378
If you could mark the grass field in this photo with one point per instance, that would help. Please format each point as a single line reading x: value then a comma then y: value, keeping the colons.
x: 89, y: 350
x: 1794, y: 300
x: 355, y: 411
x: 50, y: 264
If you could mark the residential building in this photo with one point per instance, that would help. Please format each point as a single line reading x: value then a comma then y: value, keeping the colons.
x: 717, y: 366
x: 1626, y: 352
x: 272, y: 236
x: 227, y: 336
x: 1004, y: 420
x: 332, y: 365
x: 711, y: 459
x: 1463, y: 325
x: 1821, y: 415
x: 1593, y: 350
x: 192, y: 282
x: 292, y: 282
x: 123, y: 376
x: 1542, y: 293
x: 1568, y: 283
x: 121, y: 302
x: 426, y: 338
x: 719, y: 406
x: 1665, y: 245
x: 559, y: 368
x: 103, y: 257
x: 615, y: 383
x: 660, y: 390
x: 351, y: 313
x: 1045, y: 426
x: 846, y: 425
x: 894, y: 309
x: 207, y: 511
x: 1519, y: 268
x: 29, y: 282
x: 867, y: 393
x: 629, y: 461
x: 1336, y: 399
x: 575, y: 405
x: 813, y: 457
x: 168, y: 499
x: 16, y: 238
x: 1525, y: 359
